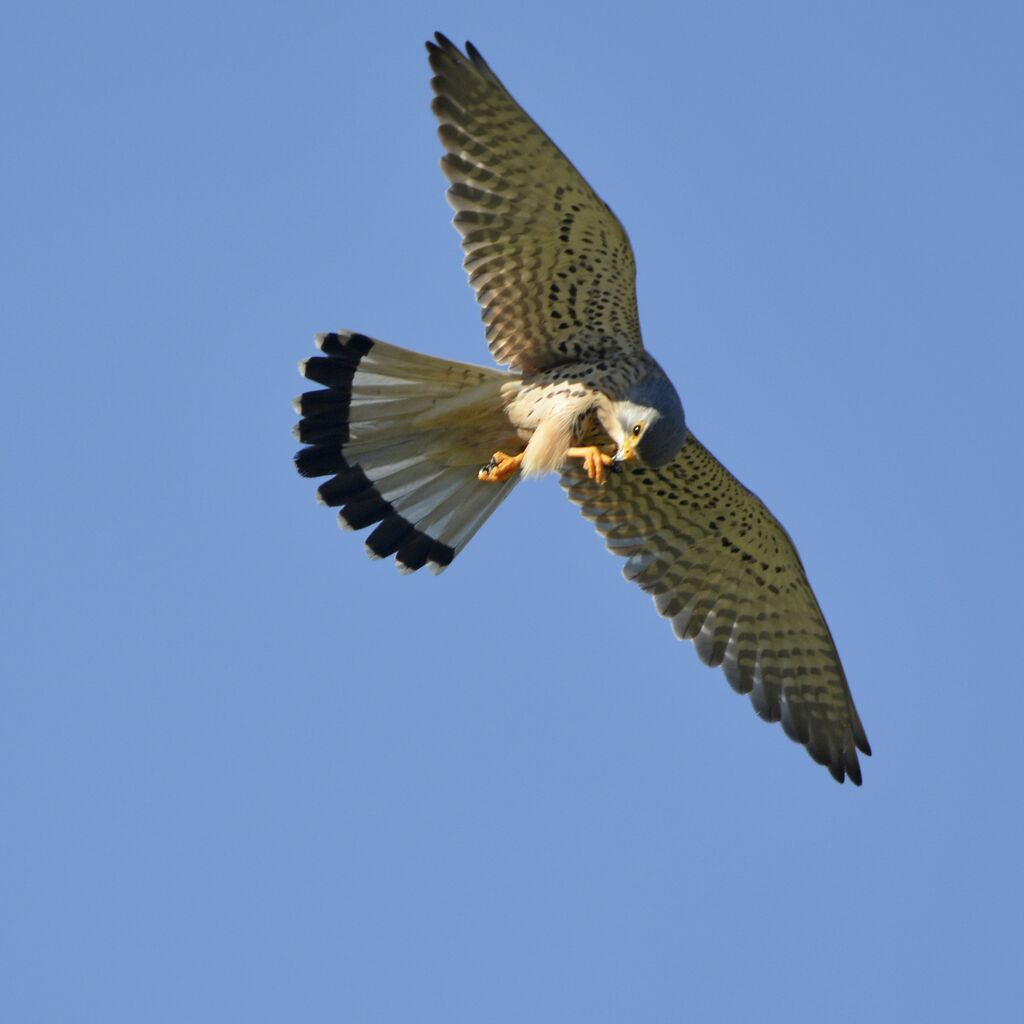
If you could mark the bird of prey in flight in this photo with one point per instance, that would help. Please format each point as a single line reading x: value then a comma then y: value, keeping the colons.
x: 425, y: 449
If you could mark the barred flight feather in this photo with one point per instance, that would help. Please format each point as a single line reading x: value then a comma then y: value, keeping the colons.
x: 400, y: 435
x: 723, y: 571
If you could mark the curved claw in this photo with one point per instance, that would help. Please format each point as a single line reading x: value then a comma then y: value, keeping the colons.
x: 501, y: 467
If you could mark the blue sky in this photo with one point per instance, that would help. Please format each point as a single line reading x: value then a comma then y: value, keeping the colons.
x: 251, y: 775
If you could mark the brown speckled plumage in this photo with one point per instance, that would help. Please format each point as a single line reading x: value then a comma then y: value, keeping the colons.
x: 720, y: 566
x: 551, y: 265
x: 402, y: 435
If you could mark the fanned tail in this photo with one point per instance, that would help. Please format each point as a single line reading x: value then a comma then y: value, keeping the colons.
x: 402, y: 437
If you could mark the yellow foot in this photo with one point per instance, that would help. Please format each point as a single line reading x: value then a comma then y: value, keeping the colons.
x: 501, y: 467
x: 594, y: 461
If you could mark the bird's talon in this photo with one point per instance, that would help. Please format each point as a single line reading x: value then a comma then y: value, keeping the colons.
x: 594, y: 461
x: 501, y: 467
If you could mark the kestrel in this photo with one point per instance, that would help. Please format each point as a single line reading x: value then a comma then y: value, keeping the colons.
x: 403, y: 436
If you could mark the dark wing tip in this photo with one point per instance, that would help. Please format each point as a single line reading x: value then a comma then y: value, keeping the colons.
x: 441, y: 47
x: 843, y: 764
x: 860, y: 737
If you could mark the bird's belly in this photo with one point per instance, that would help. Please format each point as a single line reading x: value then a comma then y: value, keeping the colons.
x: 548, y: 418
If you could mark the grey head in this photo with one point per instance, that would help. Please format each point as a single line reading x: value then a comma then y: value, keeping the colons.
x: 650, y: 421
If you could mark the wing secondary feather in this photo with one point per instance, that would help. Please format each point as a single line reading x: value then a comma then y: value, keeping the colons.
x: 720, y: 566
x: 551, y: 265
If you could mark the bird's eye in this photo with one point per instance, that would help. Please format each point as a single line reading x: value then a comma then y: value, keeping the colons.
x: 638, y: 429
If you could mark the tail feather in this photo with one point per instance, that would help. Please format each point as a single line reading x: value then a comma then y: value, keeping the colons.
x: 323, y: 428
x: 388, y: 537
x: 420, y: 504
x: 402, y: 437
x: 346, y: 486
x: 320, y: 461
x: 457, y: 520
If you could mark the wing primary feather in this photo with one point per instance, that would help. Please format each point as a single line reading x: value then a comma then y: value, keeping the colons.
x: 725, y: 573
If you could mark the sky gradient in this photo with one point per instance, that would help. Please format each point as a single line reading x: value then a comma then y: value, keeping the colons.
x: 251, y: 775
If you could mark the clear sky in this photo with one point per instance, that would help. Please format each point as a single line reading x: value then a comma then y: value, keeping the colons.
x: 248, y: 774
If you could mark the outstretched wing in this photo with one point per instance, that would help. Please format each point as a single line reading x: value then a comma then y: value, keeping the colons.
x: 551, y: 265
x: 721, y: 567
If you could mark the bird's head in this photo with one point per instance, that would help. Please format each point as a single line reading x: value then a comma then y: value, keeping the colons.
x: 649, y: 422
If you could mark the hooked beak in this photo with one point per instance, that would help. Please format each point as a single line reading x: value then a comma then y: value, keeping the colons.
x: 625, y: 453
